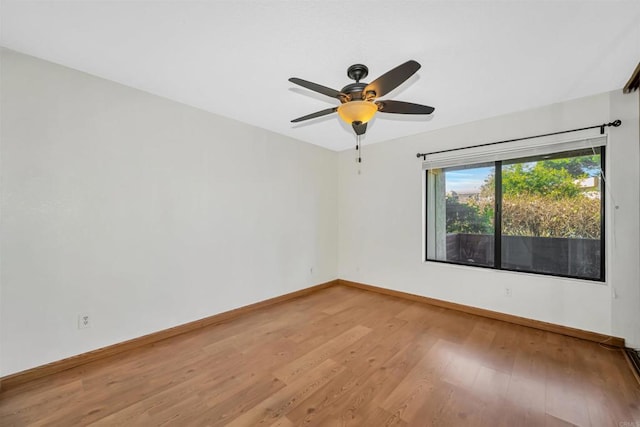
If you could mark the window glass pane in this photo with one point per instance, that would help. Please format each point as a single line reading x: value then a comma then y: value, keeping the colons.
x: 460, y: 214
x: 551, y: 207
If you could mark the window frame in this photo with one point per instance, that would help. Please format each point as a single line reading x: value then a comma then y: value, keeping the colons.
x: 497, y: 232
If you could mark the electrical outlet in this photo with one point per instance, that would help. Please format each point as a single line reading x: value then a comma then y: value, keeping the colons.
x: 507, y: 292
x: 84, y: 321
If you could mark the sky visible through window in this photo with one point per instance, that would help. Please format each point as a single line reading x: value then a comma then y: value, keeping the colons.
x: 467, y: 180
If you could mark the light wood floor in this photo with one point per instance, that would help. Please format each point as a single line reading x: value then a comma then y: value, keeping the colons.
x: 343, y: 356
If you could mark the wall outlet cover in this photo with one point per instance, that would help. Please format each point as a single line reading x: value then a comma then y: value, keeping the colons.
x: 84, y: 321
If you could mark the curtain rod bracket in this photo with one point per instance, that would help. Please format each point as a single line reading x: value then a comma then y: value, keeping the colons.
x: 614, y: 123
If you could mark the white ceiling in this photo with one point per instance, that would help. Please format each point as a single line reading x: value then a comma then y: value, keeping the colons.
x: 233, y: 58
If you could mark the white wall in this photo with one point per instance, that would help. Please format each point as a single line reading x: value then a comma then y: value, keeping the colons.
x: 381, y: 215
x: 144, y: 213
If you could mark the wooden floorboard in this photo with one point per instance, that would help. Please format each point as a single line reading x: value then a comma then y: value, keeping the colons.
x: 342, y: 357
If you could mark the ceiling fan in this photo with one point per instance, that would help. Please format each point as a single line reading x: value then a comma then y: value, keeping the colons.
x: 358, y: 104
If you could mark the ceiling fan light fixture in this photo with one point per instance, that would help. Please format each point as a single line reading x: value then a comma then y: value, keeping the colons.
x: 357, y: 111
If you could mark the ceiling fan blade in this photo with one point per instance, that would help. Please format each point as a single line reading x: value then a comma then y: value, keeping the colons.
x: 400, y: 107
x: 318, y: 88
x: 392, y: 79
x: 359, y: 129
x: 316, y: 114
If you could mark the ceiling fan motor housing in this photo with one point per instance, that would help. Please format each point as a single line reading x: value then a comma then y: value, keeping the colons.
x: 355, y: 90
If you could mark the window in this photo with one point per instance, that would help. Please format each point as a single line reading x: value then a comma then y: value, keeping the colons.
x: 540, y: 212
x: 461, y: 226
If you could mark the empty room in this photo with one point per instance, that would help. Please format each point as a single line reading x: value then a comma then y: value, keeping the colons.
x: 287, y: 213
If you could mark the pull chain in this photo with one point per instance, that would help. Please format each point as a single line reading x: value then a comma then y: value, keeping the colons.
x: 359, y: 152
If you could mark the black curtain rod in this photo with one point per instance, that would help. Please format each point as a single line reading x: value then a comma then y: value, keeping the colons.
x: 614, y: 123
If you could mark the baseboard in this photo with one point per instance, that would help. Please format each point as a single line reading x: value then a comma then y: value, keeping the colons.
x: 25, y: 376
x: 523, y: 321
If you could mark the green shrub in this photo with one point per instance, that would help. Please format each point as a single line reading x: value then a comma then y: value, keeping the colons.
x: 534, y: 215
x: 466, y: 217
